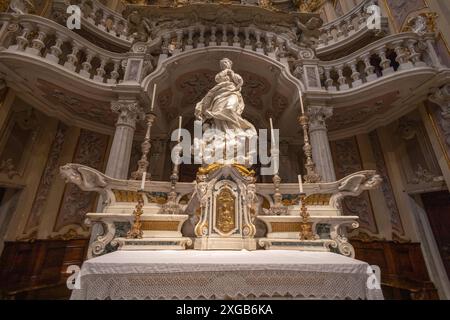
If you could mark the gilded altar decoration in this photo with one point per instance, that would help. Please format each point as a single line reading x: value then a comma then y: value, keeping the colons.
x: 308, y: 5
x: 422, y: 23
x: 306, y: 230
x: 225, y: 215
x: 136, y: 230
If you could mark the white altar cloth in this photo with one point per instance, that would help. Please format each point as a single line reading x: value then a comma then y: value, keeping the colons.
x: 192, y: 274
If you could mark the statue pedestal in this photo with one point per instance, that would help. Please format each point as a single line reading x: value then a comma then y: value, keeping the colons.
x: 226, y: 194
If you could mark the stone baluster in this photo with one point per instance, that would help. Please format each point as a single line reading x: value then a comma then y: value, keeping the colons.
x: 236, y: 40
x: 38, y: 43
x: 86, y: 66
x: 213, y: 38
x: 55, y: 50
x: 269, y: 45
x: 385, y: 63
x: 370, y: 69
x: 72, y: 58
x: 22, y: 39
x: 281, y: 51
x: 100, y: 71
x: 414, y: 55
x: 178, y: 42
x: 190, y: 41
x: 201, y: 38
x: 120, y: 29
x: 102, y: 22
x: 322, y: 41
x: 356, y: 76
x: 164, y: 48
x: 224, y: 36
x: 258, y: 43
x: 329, y: 83
x: 330, y: 36
x: 362, y: 18
x: 402, y: 56
x: 350, y: 26
x: 342, y: 80
x: 318, y: 135
x: 119, y: 157
x: 115, y: 73
x: 340, y: 31
x: 247, y: 41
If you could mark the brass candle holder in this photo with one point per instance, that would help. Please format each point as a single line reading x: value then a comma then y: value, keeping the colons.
x: 171, y: 206
x: 306, y: 226
x: 143, y: 163
x: 136, y: 230
x: 311, y: 175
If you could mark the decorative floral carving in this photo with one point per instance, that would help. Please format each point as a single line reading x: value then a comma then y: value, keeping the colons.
x: 7, y: 166
x: 129, y: 111
x: 88, y: 109
x: 76, y: 202
x: 347, y: 161
x: 48, y: 176
x: 401, y: 8
x: 441, y: 97
x: 195, y: 85
x: 386, y: 186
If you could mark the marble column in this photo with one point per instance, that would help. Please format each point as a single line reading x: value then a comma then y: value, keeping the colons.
x: 120, y: 154
x: 318, y: 136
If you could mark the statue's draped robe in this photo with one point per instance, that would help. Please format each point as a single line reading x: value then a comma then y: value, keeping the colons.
x: 224, y: 104
x: 222, y: 108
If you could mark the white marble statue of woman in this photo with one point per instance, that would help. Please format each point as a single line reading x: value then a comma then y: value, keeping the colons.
x: 221, y: 112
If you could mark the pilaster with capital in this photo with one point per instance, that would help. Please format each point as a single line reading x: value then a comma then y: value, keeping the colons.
x: 318, y: 134
x: 441, y: 97
x: 119, y: 157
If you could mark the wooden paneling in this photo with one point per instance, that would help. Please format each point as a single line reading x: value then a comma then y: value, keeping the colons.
x: 437, y: 206
x: 38, y: 269
x: 403, y: 271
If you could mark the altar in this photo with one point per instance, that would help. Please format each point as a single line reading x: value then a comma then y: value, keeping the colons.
x: 223, y: 235
x: 193, y: 274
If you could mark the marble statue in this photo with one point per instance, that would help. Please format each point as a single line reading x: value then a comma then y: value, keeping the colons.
x: 221, y: 114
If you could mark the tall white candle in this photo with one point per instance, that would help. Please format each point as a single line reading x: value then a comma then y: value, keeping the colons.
x: 153, y: 97
x: 300, y: 183
x: 301, y: 102
x: 144, y: 176
x: 272, y: 134
x: 180, y: 119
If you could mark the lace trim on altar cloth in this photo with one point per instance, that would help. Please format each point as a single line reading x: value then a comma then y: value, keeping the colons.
x: 222, y: 285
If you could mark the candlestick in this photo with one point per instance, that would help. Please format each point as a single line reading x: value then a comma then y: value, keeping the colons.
x: 300, y: 183
x: 301, y: 102
x: 136, y: 229
x: 311, y: 175
x: 145, y: 147
x: 153, y: 97
x: 180, y: 119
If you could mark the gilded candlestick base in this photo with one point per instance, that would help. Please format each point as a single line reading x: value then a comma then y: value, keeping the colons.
x: 136, y: 231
